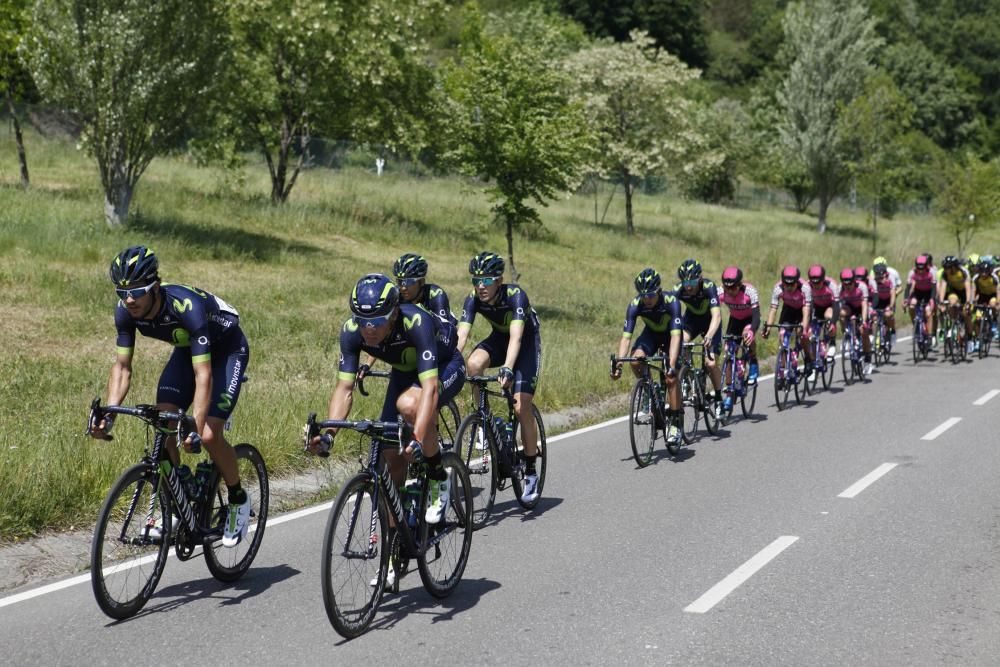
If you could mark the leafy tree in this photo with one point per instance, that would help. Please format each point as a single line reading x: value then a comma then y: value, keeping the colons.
x: 725, y: 147
x: 15, y: 82
x: 674, y: 25
x: 872, y: 127
x: 514, y: 125
x: 969, y: 201
x: 633, y: 96
x: 832, y: 44
x: 344, y: 67
x: 134, y: 72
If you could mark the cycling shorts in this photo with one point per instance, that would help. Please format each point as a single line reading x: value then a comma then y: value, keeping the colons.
x: 451, y: 379
x: 230, y: 356
x: 529, y: 361
x: 697, y: 325
x: 652, y: 341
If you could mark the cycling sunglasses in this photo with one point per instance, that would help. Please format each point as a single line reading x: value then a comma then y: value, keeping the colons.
x: 694, y: 282
x: 407, y: 282
x: 135, y: 292
x: 730, y: 285
x: 371, y: 322
x: 485, y: 281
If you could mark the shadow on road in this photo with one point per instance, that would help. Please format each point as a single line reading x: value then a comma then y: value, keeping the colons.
x: 512, y: 509
x: 416, y: 600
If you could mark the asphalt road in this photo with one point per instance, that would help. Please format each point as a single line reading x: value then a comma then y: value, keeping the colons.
x: 831, y: 533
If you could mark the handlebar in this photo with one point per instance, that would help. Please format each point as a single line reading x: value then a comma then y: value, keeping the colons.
x: 360, y: 382
x: 404, y: 432
x: 149, y: 414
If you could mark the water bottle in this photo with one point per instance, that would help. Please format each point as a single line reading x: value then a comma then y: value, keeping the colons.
x: 499, y: 427
x: 203, y: 471
x: 411, y: 500
x: 186, y: 480
x: 508, y: 434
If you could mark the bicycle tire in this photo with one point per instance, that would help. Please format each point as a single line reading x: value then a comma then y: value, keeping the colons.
x: 229, y: 564
x: 125, y: 513
x: 729, y: 388
x: 782, y: 388
x: 540, y: 462
x: 448, y: 421
x: 441, y: 564
x: 846, y: 362
x: 481, y: 464
x: 642, y: 436
x: 711, y: 418
x: 688, y: 403
x: 348, y: 596
x: 749, y: 398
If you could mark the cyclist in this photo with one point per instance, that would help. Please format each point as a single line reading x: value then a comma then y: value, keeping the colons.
x: 515, y: 344
x: 702, y: 317
x: 796, y: 298
x: 921, y: 289
x: 427, y: 370
x: 825, y: 294
x: 204, y: 372
x: 854, y: 303
x: 984, y: 288
x: 410, y: 271
x: 882, y: 295
x: 880, y: 265
x: 954, y: 291
x: 661, y: 313
x: 744, y: 318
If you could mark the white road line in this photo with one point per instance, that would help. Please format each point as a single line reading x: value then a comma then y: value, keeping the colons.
x: 982, y: 400
x: 867, y: 480
x: 718, y: 592
x: 586, y: 429
x: 942, y: 428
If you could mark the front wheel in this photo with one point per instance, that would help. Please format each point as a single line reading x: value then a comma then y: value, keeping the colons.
x: 689, y: 403
x: 480, y: 458
x: 540, y: 460
x: 642, y: 422
x: 846, y: 363
x: 229, y: 564
x: 447, y: 426
x: 445, y: 545
x: 355, y: 554
x: 125, y: 560
x: 782, y: 381
x: 708, y: 407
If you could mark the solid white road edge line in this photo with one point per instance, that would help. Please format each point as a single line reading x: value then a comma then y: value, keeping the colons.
x: 717, y: 593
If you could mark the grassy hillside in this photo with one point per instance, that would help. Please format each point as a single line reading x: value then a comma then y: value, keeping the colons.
x: 289, y: 270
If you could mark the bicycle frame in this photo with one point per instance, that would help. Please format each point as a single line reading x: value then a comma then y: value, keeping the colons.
x: 509, y: 466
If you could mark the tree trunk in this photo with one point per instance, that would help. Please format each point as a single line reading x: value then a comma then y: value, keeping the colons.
x: 514, y: 275
x: 614, y: 189
x: 824, y: 204
x: 22, y: 157
x: 629, y: 225
x: 593, y: 182
x: 117, y: 199
x: 875, y: 226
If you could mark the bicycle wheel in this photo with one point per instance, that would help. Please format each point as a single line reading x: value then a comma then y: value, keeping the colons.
x: 446, y: 544
x: 730, y: 387
x: 125, y: 562
x: 782, y: 384
x: 231, y: 564
x: 540, y: 460
x: 479, y: 455
x: 749, y: 398
x: 346, y: 568
x: 689, y: 405
x: 447, y: 426
x: 642, y: 435
x: 877, y: 343
x: 707, y: 403
x: 917, y: 340
x: 846, y: 363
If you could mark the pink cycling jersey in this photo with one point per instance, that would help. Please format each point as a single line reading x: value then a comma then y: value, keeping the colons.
x: 742, y: 303
x: 826, y: 293
x: 797, y: 299
x: 855, y: 296
x: 883, y: 289
x: 922, y: 280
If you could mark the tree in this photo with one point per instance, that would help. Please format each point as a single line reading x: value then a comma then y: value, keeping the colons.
x: 969, y: 201
x: 514, y: 125
x: 872, y: 127
x: 832, y: 44
x: 135, y: 73
x: 14, y: 79
x: 349, y: 68
x: 632, y: 94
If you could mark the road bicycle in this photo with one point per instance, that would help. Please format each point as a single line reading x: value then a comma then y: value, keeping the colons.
x: 448, y: 415
x: 696, y: 402
x: 649, y: 416
x: 735, y: 377
x: 851, y: 352
x: 822, y: 344
x: 491, y: 450
x: 373, y: 526
x: 921, y: 341
x: 881, y: 339
x: 150, y: 508
x: 787, y: 375
x: 953, y: 330
x: 985, y: 321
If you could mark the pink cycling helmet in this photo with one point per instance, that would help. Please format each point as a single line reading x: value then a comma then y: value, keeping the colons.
x: 817, y: 273
x: 847, y: 275
x: 790, y: 274
x: 732, y: 275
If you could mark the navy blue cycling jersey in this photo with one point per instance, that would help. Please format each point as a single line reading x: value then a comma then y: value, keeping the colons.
x: 703, y: 301
x: 188, y: 317
x: 663, y: 317
x: 418, y: 341
x: 511, y: 306
x: 434, y: 299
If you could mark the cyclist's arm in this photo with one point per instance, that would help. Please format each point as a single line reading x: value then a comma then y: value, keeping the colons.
x: 202, y: 393
x: 806, y: 312
x: 770, y: 315
x: 341, y: 401
x: 714, y: 325
x: 676, y: 338
x: 623, y: 346
x: 466, y: 320
x: 120, y: 378
x: 755, y: 317
x: 514, y: 344
x: 427, y: 408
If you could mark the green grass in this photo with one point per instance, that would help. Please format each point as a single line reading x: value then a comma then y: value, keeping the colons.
x: 289, y: 270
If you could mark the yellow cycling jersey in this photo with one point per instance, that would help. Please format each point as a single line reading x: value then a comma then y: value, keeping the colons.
x: 956, y: 281
x: 986, y: 284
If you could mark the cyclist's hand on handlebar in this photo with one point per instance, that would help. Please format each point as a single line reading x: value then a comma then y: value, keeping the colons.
x: 102, y: 429
x: 766, y: 331
x: 414, y: 452
x: 319, y: 445
x: 505, y: 376
x: 748, y: 336
x: 363, y: 371
x: 707, y: 345
x: 616, y: 370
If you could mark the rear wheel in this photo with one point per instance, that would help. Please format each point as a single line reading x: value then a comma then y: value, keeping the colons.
x: 749, y: 398
x: 445, y: 544
x: 347, y: 567
x: 708, y: 406
x: 846, y: 362
x: 479, y: 456
x: 447, y: 426
x: 540, y: 460
x: 125, y: 561
x: 782, y: 383
x: 689, y: 405
x: 642, y: 435
x: 231, y: 564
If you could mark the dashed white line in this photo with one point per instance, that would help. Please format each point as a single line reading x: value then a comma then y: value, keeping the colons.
x: 717, y: 593
x: 984, y: 399
x: 867, y: 480
x: 948, y: 423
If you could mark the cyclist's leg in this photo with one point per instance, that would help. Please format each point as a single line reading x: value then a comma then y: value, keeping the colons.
x: 488, y: 353
x: 399, y: 384
x: 715, y: 346
x: 229, y: 365
x: 645, y: 346
x: 526, y: 370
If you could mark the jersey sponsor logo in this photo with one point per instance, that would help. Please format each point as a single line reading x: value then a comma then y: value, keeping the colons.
x: 436, y: 293
x: 183, y: 306
x: 235, y: 381
x: 203, y: 340
x: 409, y: 322
x: 511, y: 291
x: 520, y: 311
x: 427, y: 355
x: 350, y: 326
x: 181, y: 337
x: 225, y: 402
